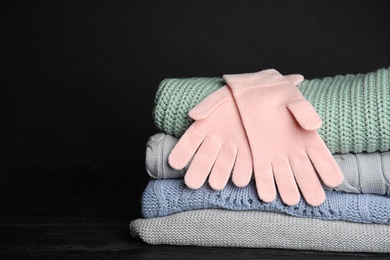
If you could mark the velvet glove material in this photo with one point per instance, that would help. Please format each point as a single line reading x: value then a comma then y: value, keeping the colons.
x: 216, y: 143
x: 281, y: 126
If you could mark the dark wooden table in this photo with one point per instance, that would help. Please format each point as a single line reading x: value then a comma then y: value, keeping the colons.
x: 84, y: 213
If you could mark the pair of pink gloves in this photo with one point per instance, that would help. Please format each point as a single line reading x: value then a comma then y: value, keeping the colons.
x: 258, y: 123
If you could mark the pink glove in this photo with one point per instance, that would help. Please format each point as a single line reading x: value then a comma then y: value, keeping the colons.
x: 217, y: 142
x: 281, y: 128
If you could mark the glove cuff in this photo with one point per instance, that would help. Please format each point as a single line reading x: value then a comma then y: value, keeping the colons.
x: 268, y: 77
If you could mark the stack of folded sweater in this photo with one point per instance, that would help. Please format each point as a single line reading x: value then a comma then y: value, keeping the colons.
x: 355, y: 216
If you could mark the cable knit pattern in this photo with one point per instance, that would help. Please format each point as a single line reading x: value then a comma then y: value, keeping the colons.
x: 260, y: 229
x: 169, y: 196
x: 355, y: 109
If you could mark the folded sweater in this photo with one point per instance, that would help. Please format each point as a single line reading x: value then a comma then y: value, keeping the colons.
x: 168, y: 196
x: 363, y: 172
x: 260, y: 229
x: 355, y: 109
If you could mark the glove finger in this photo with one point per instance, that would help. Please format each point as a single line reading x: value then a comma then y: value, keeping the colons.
x: 265, y: 184
x: 242, y: 171
x: 223, y: 166
x: 185, y: 148
x: 285, y: 182
x: 307, y: 179
x: 325, y: 164
x: 202, y: 162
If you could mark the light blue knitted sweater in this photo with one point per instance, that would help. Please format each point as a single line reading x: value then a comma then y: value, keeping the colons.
x: 167, y: 196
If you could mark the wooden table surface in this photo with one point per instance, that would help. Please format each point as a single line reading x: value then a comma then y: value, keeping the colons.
x: 84, y: 213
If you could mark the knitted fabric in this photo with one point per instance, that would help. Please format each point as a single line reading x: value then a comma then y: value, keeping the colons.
x: 169, y: 196
x: 259, y: 229
x: 175, y: 98
x: 355, y: 109
x: 363, y: 172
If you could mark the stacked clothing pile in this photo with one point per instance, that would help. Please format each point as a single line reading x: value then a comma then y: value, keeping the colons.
x: 200, y: 192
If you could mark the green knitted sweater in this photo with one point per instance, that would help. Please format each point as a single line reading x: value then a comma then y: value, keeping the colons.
x: 355, y: 108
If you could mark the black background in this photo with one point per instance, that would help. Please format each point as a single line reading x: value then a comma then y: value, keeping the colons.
x: 79, y: 77
x: 77, y: 92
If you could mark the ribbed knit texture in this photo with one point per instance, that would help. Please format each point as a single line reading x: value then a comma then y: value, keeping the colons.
x: 363, y: 172
x: 259, y: 229
x: 175, y: 97
x: 169, y: 196
x: 355, y: 109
